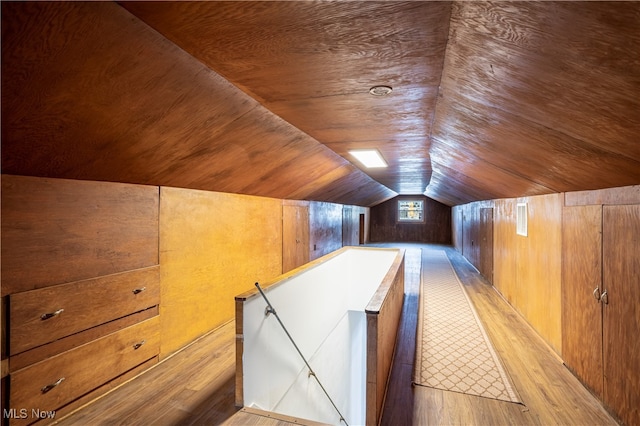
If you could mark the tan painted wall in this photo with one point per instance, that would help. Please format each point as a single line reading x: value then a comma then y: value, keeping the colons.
x: 213, y: 246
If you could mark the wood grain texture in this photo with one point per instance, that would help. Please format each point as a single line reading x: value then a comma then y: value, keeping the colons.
x: 486, y: 243
x: 313, y: 64
x: 295, y: 234
x: 621, y: 321
x: 105, y: 97
x: 57, y: 231
x: 539, y: 268
x: 383, y: 319
x: 622, y: 195
x: 85, y: 304
x: 435, y: 229
x: 32, y: 356
x: 213, y: 246
x: 504, y: 273
x: 355, y: 220
x: 105, y: 388
x: 473, y: 241
x: 84, y: 368
x: 500, y: 106
x: 196, y: 386
x: 527, y: 270
x: 490, y: 100
x: 581, y: 311
x: 325, y: 228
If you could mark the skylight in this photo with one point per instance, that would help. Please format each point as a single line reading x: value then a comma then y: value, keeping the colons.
x: 370, y: 158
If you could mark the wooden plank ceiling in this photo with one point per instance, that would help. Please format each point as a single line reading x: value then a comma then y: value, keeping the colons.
x: 489, y: 100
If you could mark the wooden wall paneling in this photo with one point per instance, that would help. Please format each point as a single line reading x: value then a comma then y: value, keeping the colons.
x: 56, y: 231
x: 325, y: 228
x: 295, y: 234
x: 363, y: 220
x: 476, y: 234
x: 539, y: 267
x: 581, y: 310
x: 435, y: 229
x: 620, y: 195
x: 485, y: 235
x: 349, y: 228
x: 505, y: 253
x: 353, y: 231
x: 214, y: 246
x: 457, y: 227
x: 527, y: 270
x: 471, y: 235
x: 621, y: 327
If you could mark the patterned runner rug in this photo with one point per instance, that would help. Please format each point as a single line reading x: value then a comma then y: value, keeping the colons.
x: 453, y: 350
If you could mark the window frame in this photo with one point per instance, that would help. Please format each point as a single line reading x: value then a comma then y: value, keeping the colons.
x: 421, y: 210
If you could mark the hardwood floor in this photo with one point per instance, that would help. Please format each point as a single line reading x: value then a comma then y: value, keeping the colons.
x: 550, y: 393
x: 196, y: 386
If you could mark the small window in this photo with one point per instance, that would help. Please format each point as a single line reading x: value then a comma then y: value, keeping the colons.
x: 411, y: 211
x: 521, y: 219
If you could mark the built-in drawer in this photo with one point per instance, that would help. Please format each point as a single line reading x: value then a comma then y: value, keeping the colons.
x: 41, y: 316
x: 50, y: 384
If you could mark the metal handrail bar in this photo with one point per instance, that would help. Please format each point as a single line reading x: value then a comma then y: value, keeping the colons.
x: 270, y: 309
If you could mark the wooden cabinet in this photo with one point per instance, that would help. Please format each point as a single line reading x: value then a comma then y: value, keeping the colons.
x: 581, y: 284
x: 44, y: 315
x: 71, y: 339
x: 60, y: 379
x: 621, y: 310
x: 80, y: 291
x: 600, y: 318
x: 295, y: 234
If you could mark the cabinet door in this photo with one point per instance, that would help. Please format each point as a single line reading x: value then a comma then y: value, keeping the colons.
x: 295, y: 236
x: 621, y: 327
x: 581, y: 310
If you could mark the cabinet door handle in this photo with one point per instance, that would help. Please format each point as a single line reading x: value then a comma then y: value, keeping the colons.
x: 137, y: 345
x: 604, y: 298
x: 139, y: 290
x: 596, y: 293
x: 47, y: 388
x: 51, y: 314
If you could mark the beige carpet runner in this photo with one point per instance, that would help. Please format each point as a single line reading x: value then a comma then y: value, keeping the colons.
x: 453, y: 350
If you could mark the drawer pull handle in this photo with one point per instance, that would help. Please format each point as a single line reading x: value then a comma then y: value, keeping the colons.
x: 47, y: 388
x: 139, y: 290
x: 137, y: 345
x: 51, y: 314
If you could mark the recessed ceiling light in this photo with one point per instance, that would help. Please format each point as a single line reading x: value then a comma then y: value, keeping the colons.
x: 380, y: 90
x: 370, y: 158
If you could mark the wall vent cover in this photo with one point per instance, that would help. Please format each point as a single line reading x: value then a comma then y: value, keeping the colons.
x: 521, y: 219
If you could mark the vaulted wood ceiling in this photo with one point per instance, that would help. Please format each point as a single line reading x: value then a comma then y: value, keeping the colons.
x: 489, y: 100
